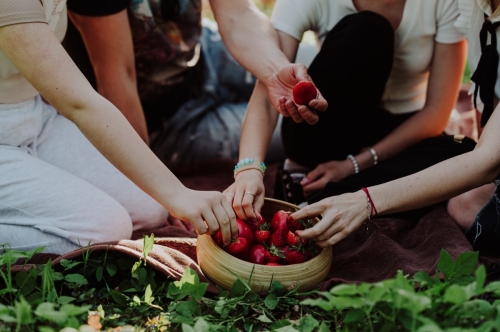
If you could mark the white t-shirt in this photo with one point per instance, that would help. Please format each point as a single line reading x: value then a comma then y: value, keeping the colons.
x: 424, y: 22
x: 14, y: 87
x: 469, y: 23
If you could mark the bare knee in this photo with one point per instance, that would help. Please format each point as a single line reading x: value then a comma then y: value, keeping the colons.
x: 465, y: 207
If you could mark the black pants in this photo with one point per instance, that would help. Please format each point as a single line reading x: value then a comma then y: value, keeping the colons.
x: 351, y: 71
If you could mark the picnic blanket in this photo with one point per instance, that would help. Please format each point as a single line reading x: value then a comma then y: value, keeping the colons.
x: 391, y: 244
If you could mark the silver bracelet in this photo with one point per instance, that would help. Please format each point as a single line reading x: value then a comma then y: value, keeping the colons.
x: 374, y: 154
x: 354, y: 162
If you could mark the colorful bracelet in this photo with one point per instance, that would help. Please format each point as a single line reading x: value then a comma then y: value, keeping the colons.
x: 249, y: 163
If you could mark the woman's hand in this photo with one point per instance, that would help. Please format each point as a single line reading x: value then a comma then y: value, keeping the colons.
x: 280, y: 86
x: 332, y: 171
x: 207, y: 210
x: 342, y: 215
x: 246, y: 194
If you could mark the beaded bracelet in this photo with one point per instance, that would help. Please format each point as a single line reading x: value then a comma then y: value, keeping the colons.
x: 249, y: 163
x: 354, y: 162
x: 374, y: 154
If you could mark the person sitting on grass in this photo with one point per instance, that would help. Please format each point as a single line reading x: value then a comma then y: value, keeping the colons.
x: 63, y: 162
x: 390, y: 71
x: 469, y: 181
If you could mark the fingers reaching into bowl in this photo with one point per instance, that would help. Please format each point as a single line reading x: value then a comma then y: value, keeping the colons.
x: 207, y: 211
x: 342, y: 215
x: 246, y: 194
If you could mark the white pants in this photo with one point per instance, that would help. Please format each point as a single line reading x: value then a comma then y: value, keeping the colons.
x: 57, y: 190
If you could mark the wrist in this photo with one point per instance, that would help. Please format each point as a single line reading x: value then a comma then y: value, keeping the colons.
x: 272, y: 69
x: 249, y: 172
x: 365, y: 160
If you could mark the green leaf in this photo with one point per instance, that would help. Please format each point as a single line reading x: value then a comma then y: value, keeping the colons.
x: 46, y: 310
x: 68, y: 264
x: 492, y: 287
x: 324, y: 327
x: 480, y: 279
x: 111, y: 268
x: 264, y: 319
x: 354, y: 315
x: 73, y: 310
x: 187, y: 328
x: 46, y: 329
x: 307, y: 324
x: 119, y: 297
x: 345, y: 289
x: 23, y: 313
x: 147, y: 295
x: 455, y: 294
x: 76, y: 279
x: 136, y: 266
x: 201, y: 325
x: 99, y: 273
x: 271, y: 301
x: 423, y: 278
x: 237, y: 289
x: 288, y: 328
x: 446, y: 264
x: 65, y: 299
x: 279, y: 324
x: 149, y: 242
x: 466, y: 264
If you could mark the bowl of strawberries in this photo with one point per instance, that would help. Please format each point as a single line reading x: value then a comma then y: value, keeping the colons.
x: 266, y: 250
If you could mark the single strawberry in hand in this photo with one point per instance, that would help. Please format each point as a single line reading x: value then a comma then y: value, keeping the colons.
x: 238, y: 248
x: 303, y: 92
x: 294, y: 256
x: 262, y: 235
x: 273, y: 254
x: 279, y: 237
x: 295, y: 240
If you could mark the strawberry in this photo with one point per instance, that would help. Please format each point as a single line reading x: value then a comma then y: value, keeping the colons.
x: 217, y: 237
x: 256, y: 224
x: 279, y: 237
x: 238, y: 248
x: 303, y: 92
x: 273, y: 254
x: 279, y: 220
x: 295, y: 225
x: 262, y: 235
x: 273, y: 264
x: 294, y: 256
x: 295, y: 240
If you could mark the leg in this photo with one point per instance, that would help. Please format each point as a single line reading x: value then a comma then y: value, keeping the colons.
x: 351, y: 71
x: 41, y: 205
x: 64, y: 146
x: 464, y: 208
x: 484, y: 233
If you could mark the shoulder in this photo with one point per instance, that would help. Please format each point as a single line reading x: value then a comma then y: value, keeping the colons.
x: 25, y: 11
x: 300, y: 15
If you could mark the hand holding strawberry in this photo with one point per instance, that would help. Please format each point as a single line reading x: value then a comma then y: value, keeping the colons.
x: 280, y: 86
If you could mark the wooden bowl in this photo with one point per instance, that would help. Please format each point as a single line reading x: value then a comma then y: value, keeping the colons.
x: 216, y: 264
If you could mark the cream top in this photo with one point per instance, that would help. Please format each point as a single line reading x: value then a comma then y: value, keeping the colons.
x: 14, y: 87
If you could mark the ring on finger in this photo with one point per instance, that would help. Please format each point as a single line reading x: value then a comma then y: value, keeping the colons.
x: 249, y: 193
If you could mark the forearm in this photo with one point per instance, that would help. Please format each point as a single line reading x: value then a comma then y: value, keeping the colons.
x: 123, y: 94
x: 258, y: 126
x: 250, y: 37
x: 432, y: 185
x: 424, y: 124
